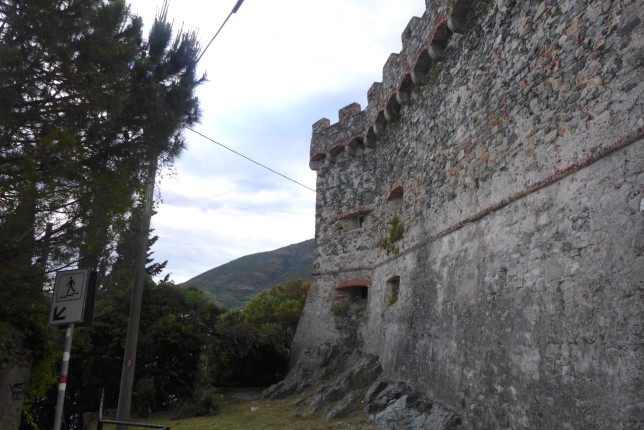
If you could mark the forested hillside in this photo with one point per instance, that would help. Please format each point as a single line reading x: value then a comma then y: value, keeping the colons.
x: 233, y: 284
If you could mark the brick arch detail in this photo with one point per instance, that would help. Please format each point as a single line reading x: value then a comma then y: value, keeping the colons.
x: 356, y: 282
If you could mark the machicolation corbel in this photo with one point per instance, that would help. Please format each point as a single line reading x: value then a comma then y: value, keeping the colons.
x: 357, y: 129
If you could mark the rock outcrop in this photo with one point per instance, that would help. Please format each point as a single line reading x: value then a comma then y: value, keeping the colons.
x: 332, y: 379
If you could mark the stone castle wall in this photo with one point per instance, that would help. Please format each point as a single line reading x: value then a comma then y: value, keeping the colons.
x: 507, y: 138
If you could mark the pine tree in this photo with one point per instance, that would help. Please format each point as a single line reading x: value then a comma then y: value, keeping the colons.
x: 87, y: 110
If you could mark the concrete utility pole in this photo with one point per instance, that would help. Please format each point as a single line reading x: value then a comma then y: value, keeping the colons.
x: 127, y: 374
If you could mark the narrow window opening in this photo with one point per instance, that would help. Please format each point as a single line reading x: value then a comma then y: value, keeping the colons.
x: 392, y: 290
x: 355, y: 219
x: 357, y: 222
x: 351, y: 300
x: 395, y: 195
x: 357, y: 293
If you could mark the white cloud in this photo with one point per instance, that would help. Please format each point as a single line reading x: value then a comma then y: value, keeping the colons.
x: 275, y: 69
x: 203, y: 238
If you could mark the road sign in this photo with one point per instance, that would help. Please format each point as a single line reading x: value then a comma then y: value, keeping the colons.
x: 70, y: 297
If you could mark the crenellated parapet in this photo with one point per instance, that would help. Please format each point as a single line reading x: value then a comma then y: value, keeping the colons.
x: 344, y: 135
x: 424, y: 41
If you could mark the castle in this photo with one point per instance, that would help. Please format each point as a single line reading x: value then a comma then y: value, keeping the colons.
x: 480, y: 224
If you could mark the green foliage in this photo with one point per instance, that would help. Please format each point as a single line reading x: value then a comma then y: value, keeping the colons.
x: 340, y: 309
x: 175, y: 326
x: 393, y: 299
x: 396, y: 231
x: 145, y: 394
x: 276, y: 312
x: 178, y: 323
x: 186, y: 345
x: 250, y: 346
x: 87, y: 108
x: 208, y: 404
x: 438, y: 67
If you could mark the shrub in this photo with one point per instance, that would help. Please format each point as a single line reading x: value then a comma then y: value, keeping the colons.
x: 340, y: 309
x: 396, y: 231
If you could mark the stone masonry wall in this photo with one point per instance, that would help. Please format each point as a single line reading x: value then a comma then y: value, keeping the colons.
x: 515, y: 132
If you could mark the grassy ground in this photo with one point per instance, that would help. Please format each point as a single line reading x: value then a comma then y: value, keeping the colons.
x: 252, y: 412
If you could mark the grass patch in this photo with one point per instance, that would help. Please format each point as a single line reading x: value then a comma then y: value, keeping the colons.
x: 265, y: 414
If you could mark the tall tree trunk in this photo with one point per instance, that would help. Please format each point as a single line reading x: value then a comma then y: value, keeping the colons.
x: 14, y: 379
x: 19, y: 289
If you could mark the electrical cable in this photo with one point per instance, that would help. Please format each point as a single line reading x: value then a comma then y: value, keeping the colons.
x: 235, y: 9
x: 249, y: 159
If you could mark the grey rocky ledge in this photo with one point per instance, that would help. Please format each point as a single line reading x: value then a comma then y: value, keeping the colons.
x: 340, y: 380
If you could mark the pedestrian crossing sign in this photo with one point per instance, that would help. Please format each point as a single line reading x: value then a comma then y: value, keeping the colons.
x: 71, y: 291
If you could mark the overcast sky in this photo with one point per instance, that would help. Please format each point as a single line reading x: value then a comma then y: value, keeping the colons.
x: 276, y: 68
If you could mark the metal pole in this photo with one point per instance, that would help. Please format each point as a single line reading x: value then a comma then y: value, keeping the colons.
x: 62, y: 382
x: 99, y: 424
x: 127, y: 374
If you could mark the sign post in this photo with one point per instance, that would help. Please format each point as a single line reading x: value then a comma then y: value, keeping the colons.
x: 62, y: 383
x: 72, y: 302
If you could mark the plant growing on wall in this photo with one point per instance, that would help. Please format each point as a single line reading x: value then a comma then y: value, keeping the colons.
x: 393, y: 299
x: 396, y: 230
x: 340, y: 309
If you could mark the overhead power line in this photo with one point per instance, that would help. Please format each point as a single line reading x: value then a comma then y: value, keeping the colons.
x: 249, y: 159
x: 235, y: 9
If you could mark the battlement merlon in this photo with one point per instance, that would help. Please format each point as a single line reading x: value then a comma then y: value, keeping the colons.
x: 330, y: 139
x: 423, y: 43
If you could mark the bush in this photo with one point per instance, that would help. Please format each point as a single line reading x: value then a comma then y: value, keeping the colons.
x: 340, y: 309
x: 250, y: 347
x: 208, y: 404
x: 145, y: 394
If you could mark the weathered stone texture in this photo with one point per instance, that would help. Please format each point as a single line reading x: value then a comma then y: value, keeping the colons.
x: 521, y: 267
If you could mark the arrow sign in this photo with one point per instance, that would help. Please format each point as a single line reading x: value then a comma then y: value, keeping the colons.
x: 70, y: 295
x: 58, y: 316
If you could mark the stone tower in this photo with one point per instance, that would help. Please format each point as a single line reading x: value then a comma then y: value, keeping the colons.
x: 480, y: 224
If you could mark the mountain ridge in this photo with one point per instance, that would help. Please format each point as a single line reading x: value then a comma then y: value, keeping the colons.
x: 231, y: 285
